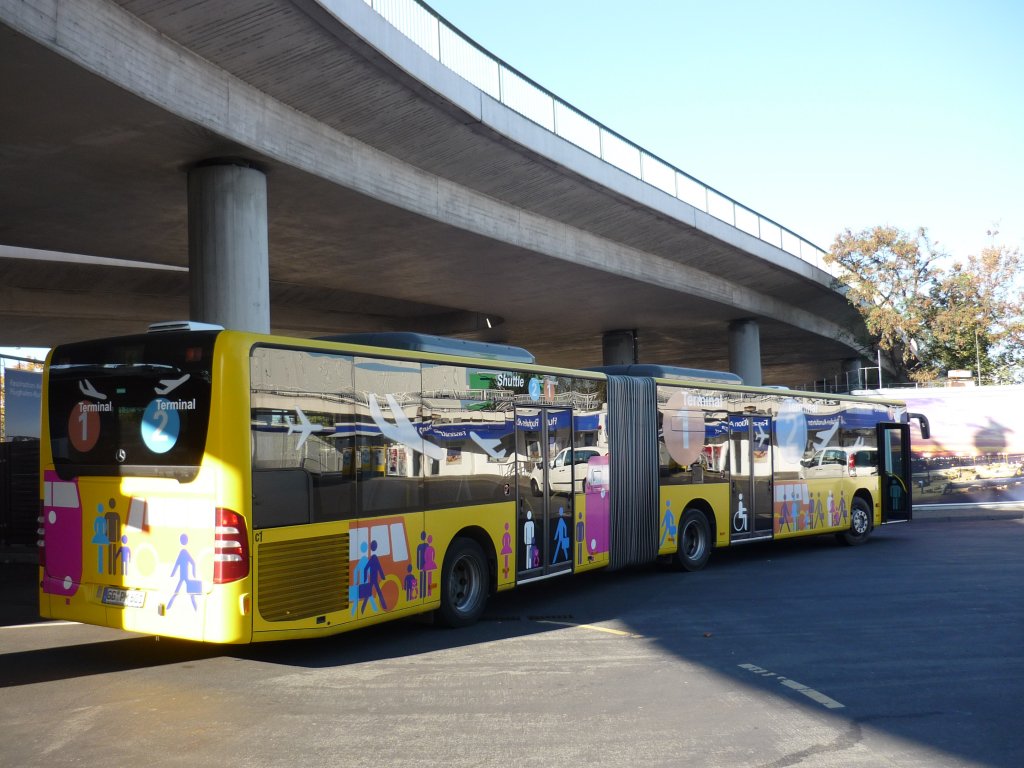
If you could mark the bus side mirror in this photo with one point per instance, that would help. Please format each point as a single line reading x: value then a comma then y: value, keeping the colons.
x: 922, y: 420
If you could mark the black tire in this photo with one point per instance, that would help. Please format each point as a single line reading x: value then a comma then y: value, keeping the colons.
x: 695, y: 543
x: 534, y: 488
x: 860, y: 524
x: 465, y: 583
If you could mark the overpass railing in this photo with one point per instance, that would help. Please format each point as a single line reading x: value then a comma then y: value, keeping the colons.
x: 431, y: 32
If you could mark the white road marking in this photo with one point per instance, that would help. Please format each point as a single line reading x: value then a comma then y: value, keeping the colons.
x: 811, y: 693
x: 43, y: 624
x: 609, y: 630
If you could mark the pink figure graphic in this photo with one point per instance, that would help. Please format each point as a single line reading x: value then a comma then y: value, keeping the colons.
x: 506, y: 548
x: 598, y: 503
x: 426, y: 564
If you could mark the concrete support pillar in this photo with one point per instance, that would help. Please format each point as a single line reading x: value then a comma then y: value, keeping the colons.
x: 620, y: 348
x: 228, y: 254
x: 854, y: 374
x: 745, y: 351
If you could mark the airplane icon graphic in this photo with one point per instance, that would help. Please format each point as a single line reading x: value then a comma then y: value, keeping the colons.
x: 168, y: 385
x: 87, y: 389
x: 303, y: 428
x: 760, y: 436
x: 825, y: 436
x: 403, y: 430
x: 490, y: 445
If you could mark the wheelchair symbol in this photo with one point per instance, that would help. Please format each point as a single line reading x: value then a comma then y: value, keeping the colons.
x: 739, y: 520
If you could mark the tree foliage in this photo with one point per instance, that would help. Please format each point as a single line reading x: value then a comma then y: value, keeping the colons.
x: 928, y: 313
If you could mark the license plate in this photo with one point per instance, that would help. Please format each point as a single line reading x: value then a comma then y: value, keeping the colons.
x: 126, y: 598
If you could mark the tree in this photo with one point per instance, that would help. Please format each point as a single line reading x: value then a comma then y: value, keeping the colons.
x: 975, y: 320
x: 928, y: 313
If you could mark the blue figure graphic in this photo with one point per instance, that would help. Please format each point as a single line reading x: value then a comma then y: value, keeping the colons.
x: 372, y: 576
x: 409, y: 583
x: 359, y: 589
x: 124, y: 554
x: 668, y: 525
x: 185, y: 568
x: 561, y: 537
x: 100, y: 538
x: 581, y: 537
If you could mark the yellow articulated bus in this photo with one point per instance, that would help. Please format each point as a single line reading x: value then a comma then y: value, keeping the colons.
x: 231, y: 487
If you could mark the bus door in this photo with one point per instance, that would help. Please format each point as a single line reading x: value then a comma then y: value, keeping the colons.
x: 545, y: 482
x: 894, y: 472
x: 750, y: 469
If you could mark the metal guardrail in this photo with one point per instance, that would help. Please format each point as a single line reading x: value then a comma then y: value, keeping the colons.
x: 431, y: 32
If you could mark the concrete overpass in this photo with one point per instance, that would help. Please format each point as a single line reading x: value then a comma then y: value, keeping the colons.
x: 399, y: 195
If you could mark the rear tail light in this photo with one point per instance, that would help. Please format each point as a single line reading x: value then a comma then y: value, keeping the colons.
x: 230, y: 547
x: 852, y: 464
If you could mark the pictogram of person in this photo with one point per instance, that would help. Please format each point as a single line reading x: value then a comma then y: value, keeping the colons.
x: 581, y: 538
x: 373, y: 574
x: 185, y: 568
x: 113, y: 536
x: 429, y: 564
x: 561, y: 539
x: 409, y: 583
x: 819, y: 512
x: 360, y: 588
x: 668, y: 525
x: 124, y: 554
x: 784, y: 521
x: 99, y: 537
x: 421, y: 560
x: 528, y: 539
x: 506, y: 548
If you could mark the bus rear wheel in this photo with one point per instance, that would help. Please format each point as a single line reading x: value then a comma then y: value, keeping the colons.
x: 694, y: 541
x: 464, y: 584
x: 860, y: 524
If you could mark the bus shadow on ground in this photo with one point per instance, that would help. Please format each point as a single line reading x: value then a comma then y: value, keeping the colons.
x: 99, y: 658
x: 531, y: 609
x: 600, y: 597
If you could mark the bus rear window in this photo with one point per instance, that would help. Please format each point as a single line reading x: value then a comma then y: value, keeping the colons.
x: 136, y: 405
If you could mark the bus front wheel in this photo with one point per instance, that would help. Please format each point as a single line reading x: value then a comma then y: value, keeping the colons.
x: 694, y: 541
x: 860, y: 524
x: 464, y: 584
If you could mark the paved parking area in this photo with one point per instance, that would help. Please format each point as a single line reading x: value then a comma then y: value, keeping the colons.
x: 902, y: 652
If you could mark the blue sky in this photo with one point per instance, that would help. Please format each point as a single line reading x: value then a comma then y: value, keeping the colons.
x: 820, y: 115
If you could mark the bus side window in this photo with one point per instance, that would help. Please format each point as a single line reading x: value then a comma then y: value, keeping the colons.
x: 280, y: 497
